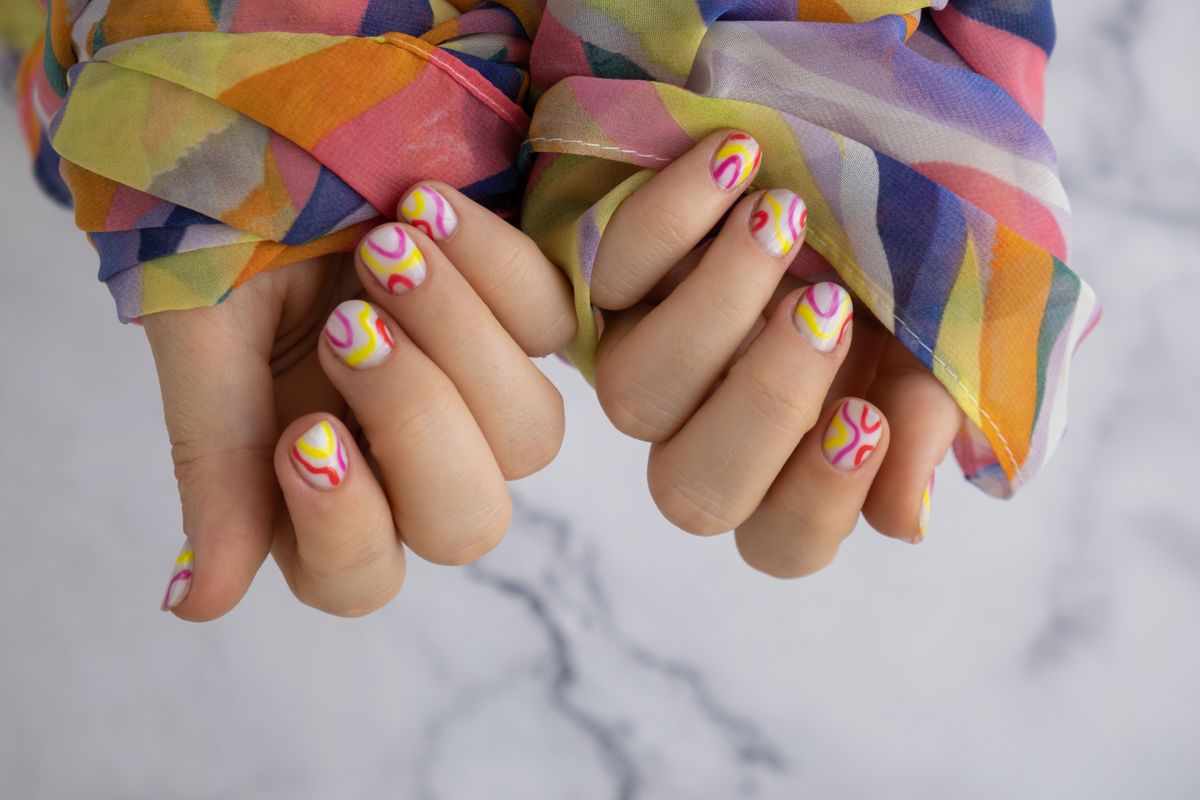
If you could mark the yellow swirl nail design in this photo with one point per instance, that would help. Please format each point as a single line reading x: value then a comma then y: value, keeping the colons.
x: 320, y: 457
x: 427, y: 211
x: 181, y: 578
x: 779, y: 221
x: 926, y: 510
x: 735, y: 161
x: 393, y: 258
x: 357, y: 334
x: 823, y: 314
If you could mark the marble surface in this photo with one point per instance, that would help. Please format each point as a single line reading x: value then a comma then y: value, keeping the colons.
x: 1043, y: 648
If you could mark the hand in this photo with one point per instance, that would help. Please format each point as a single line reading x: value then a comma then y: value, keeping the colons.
x: 398, y: 426
x: 747, y: 381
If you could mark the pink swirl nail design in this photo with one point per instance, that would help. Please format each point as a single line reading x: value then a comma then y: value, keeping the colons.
x: 778, y: 222
x: 823, y: 315
x: 736, y: 159
x: 852, y: 435
x: 393, y: 258
x: 926, y: 510
x: 358, y: 336
x: 427, y: 211
x: 320, y: 458
x: 181, y: 578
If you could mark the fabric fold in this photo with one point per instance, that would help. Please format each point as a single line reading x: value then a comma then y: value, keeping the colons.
x: 203, y: 142
x: 932, y: 190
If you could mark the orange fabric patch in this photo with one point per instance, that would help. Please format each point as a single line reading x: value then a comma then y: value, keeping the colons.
x: 311, y: 96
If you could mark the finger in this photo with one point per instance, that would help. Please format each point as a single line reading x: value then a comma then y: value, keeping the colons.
x: 219, y: 408
x: 814, y: 504
x: 528, y: 294
x: 656, y: 226
x: 712, y: 475
x: 515, y: 405
x: 924, y: 420
x: 650, y: 381
x: 344, y: 558
x: 447, y: 495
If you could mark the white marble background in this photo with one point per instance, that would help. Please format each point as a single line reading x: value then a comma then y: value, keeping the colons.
x: 1044, y: 648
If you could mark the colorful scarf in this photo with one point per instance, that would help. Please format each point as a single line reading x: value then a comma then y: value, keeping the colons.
x: 205, y: 141
x: 932, y: 189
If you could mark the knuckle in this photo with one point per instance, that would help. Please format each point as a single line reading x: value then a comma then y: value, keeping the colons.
x: 508, y: 267
x: 330, y: 595
x: 690, y: 505
x: 634, y: 407
x: 773, y: 402
x: 532, y: 452
x: 661, y: 236
x: 784, y: 569
x: 194, y: 457
x: 554, y: 335
x: 476, y: 533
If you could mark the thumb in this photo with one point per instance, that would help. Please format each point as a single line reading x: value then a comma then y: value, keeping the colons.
x: 215, y: 376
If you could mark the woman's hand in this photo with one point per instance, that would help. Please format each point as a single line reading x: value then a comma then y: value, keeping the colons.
x: 747, y: 381
x: 333, y: 431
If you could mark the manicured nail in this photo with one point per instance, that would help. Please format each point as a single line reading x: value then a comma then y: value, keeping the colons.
x: 393, y: 258
x: 779, y: 221
x: 926, y: 507
x: 427, y: 211
x: 357, y: 334
x: 735, y: 161
x: 319, y: 457
x: 852, y: 435
x: 181, y: 578
x: 823, y: 315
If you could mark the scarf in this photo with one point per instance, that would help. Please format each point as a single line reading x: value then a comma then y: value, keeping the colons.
x: 912, y: 130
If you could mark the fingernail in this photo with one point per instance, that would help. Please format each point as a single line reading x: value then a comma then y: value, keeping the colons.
x: 926, y: 508
x: 778, y: 222
x: 823, y: 315
x: 427, y: 211
x: 852, y: 435
x: 735, y: 161
x: 181, y: 577
x: 393, y: 258
x: 357, y: 334
x: 319, y: 457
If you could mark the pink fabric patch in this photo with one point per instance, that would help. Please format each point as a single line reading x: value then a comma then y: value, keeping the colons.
x: 335, y: 19
x: 1017, y: 65
x: 566, y: 56
x: 429, y: 131
x: 1009, y: 205
x: 298, y: 168
x: 128, y: 206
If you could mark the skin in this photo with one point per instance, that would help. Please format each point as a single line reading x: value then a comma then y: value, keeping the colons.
x: 431, y: 434
x: 699, y: 356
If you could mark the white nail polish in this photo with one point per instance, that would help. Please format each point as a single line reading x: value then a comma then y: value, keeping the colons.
x: 394, y: 259
x: 320, y: 458
x: 358, y: 336
x: 181, y: 578
x: 823, y: 314
x: 429, y: 212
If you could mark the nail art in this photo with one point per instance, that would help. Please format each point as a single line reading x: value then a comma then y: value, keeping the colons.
x: 393, y: 258
x: 926, y: 507
x: 779, y: 221
x: 181, y: 578
x: 852, y: 435
x: 823, y: 315
x: 427, y: 211
x: 320, y: 457
x: 735, y: 161
x: 357, y: 334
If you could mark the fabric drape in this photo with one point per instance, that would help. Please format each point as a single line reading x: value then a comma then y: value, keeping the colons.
x: 205, y: 141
